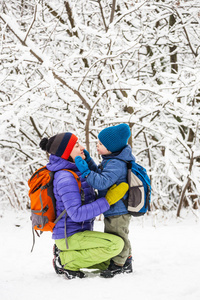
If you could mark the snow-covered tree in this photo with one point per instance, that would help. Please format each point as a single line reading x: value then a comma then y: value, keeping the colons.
x: 83, y: 65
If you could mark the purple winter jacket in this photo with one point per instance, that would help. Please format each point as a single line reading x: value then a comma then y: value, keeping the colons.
x: 79, y: 217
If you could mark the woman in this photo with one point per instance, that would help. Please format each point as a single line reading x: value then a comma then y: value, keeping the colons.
x: 86, y: 248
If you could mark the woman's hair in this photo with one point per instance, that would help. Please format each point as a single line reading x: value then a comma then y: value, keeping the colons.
x: 70, y: 159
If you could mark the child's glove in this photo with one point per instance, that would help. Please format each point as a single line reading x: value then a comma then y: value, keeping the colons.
x: 87, y: 155
x: 116, y: 192
x: 82, y: 166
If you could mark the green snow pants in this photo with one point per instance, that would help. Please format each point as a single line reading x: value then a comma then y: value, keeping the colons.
x: 89, y: 249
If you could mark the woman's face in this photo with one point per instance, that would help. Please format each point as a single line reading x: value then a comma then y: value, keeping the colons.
x: 77, y: 151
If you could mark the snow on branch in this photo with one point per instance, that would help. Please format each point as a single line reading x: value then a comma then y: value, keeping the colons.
x: 127, y: 13
x: 23, y: 38
x: 31, y: 25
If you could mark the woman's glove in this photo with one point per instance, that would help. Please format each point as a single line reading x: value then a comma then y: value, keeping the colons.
x: 87, y: 155
x: 82, y: 166
x: 116, y: 192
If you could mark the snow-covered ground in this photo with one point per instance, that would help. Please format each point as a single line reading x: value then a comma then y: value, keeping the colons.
x: 166, y: 263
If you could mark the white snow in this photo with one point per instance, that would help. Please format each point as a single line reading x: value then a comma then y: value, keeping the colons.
x: 166, y: 263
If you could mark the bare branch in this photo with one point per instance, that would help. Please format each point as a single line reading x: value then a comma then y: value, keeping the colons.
x: 56, y: 15
x: 105, y: 58
x: 112, y: 11
x: 76, y: 92
x: 70, y: 16
x: 102, y: 14
x: 35, y: 127
x: 21, y: 151
x: 41, y: 59
x: 129, y: 12
x: 25, y: 92
x: 186, y: 33
x: 18, y: 34
x: 31, y: 25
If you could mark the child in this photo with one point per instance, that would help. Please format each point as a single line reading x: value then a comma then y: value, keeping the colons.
x: 113, y: 148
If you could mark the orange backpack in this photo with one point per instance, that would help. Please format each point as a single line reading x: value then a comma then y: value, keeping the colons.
x: 43, y: 202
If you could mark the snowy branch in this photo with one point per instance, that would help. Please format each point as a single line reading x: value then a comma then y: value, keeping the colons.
x: 31, y: 25
x: 187, y: 35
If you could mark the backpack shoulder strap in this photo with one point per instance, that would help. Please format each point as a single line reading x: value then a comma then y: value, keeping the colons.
x: 79, y: 185
x: 129, y: 163
x: 76, y: 177
x: 102, y: 167
x: 111, y: 160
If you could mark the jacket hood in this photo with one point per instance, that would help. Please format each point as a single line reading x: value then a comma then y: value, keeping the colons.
x: 125, y: 154
x: 57, y: 163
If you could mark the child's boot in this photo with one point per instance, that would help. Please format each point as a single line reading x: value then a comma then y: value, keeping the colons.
x: 112, y: 270
x: 128, y: 265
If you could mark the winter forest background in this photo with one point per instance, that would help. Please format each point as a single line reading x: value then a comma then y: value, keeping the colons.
x: 83, y: 65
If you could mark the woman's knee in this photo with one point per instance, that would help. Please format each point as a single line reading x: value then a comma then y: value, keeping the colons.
x: 118, y: 243
x: 121, y: 243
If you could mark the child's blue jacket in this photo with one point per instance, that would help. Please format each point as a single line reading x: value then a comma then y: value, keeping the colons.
x: 112, y: 170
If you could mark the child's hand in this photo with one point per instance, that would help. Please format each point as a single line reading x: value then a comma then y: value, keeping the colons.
x: 87, y: 155
x: 82, y: 166
x: 116, y: 192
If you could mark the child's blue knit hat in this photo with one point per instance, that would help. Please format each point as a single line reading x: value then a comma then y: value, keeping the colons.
x: 115, y: 138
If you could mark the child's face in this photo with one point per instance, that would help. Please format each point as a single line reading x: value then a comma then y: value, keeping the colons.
x: 77, y: 151
x: 102, y: 150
